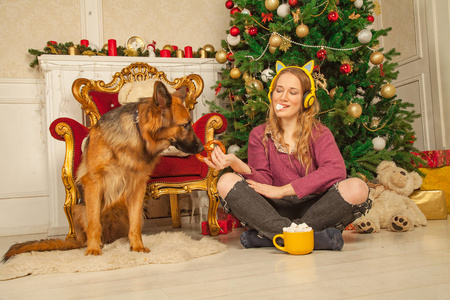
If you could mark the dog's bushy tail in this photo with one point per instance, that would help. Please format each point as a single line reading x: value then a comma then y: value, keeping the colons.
x: 42, y: 245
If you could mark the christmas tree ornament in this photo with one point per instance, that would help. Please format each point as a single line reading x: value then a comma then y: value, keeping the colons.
x: 272, y: 49
x: 332, y: 93
x: 375, y: 122
x: 253, y: 31
x: 229, y: 4
x: 254, y: 84
x: 354, y: 16
x: 234, y: 31
x: 376, y: 58
x: 370, y: 18
x: 345, y: 69
x: 235, y: 10
x: 358, y: 3
x: 235, y: 73
x: 168, y: 47
x: 296, y: 15
x: 275, y: 40
x: 246, y: 12
x: 378, y: 143
x: 320, y: 81
x: 271, y: 4
x: 354, y: 110
x: 333, y: 16
x: 321, y: 54
x: 230, y: 56
x: 233, y: 40
x: 293, y: 2
x: 302, y: 30
x: 221, y: 56
x: 233, y: 149
x: 283, y: 10
x: 267, y: 17
x: 246, y: 77
x: 388, y: 91
x: 267, y: 75
x: 286, y: 43
x: 209, y: 48
x: 364, y: 36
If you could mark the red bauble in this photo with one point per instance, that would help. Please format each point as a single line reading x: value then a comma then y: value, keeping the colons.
x: 253, y: 31
x: 370, y: 19
x: 230, y: 56
x: 321, y: 54
x: 235, y: 10
x: 345, y: 69
x: 293, y: 2
x: 229, y: 4
x: 234, y: 31
x: 333, y: 16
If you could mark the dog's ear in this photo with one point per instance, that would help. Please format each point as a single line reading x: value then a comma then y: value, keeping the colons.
x: 181, y: 92
x: 161, y: 95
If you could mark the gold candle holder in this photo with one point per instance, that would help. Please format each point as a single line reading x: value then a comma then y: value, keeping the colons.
x: 179, y: 53
x: 202, y: 53
x: 71, y: 50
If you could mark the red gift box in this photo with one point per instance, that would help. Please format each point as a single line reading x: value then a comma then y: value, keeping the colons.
x: 235, y: 221
x: 435, y: 158
x: 226, y: 226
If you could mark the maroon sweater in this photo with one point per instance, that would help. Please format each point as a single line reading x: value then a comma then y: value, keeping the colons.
x: 275, y: 168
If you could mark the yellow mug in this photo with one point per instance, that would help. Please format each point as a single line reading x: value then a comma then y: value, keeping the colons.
x: 296, y: 242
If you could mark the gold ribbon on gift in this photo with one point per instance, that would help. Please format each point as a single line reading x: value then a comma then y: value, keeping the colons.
x: 431, y: 203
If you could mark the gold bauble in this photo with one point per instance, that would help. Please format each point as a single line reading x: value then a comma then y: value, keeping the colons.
x: 376, y: 58
x: 302, y: 30
x: 272, y: 4
x: 388, y: 90
x: 168, y: 47
x: 235, y: 73
x: 272, y: 49
x: 246, y: 77
x: 332, y: 93
x: 254, y: 84
x: 221, y: 56
x: 354, y: 110
x: 275, y: 40
x: 209, y: 48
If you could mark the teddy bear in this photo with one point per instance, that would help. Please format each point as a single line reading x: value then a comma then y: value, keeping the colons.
x: 392, y: 209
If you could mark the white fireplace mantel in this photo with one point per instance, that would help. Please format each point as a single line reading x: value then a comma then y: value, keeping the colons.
x: 60, y: 72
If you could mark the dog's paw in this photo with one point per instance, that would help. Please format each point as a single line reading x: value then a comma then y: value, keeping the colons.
x: 366, y: 226
x: 140, y: 249
x: 400, y: 223
x: 93, y: 251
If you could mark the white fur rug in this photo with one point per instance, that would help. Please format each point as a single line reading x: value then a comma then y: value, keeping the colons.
x: 165, y: 248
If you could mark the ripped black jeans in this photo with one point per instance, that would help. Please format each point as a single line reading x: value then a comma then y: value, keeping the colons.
x: 269, y: 216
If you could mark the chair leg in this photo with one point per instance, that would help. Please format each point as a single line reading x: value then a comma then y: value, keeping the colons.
x: 175, y: 211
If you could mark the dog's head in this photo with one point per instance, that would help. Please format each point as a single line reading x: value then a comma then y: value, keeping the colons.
x: 167, y: 121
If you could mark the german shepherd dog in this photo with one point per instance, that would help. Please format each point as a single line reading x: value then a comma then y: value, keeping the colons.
x: 119, y: 156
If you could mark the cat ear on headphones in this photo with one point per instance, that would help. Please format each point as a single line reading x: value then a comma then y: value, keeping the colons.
x: 309, y: 66
x: 279, y: 66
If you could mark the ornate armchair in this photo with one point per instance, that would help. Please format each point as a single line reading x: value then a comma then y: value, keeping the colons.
x: 173, y: 175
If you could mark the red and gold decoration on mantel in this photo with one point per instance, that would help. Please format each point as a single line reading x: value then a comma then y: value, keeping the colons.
x: 135, y: 46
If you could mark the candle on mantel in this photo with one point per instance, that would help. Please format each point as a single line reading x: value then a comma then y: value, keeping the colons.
x: 84, y: 43
x: 164, y: 53
x: 112, y: 47
x: 188, y: 51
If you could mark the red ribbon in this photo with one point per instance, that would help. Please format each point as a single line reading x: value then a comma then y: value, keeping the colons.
x: 267, y: 17
x: 381, y: 70
x: 218, y: 88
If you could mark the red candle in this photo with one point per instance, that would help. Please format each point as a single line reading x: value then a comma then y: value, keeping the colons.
x: 175, y: 48
x: 188, y: 51
x: 112, y: 48
x: 84, y: 43
x: 164, y: 53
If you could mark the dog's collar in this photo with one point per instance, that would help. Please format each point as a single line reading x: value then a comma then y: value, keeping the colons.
x: 136, y: 121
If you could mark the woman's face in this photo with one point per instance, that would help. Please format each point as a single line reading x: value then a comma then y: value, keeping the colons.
x: 287, y: 96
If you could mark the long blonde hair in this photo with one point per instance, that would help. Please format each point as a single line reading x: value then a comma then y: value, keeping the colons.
x: 306, y: 121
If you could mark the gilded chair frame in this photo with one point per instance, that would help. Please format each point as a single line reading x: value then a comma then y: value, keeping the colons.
x: 140, y: 72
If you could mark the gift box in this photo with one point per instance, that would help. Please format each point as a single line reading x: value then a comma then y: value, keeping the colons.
x: 226, y: 226
x: 435, y: 158
x: 431, y: 203
x: 437, y: 179
x: 235, y: 221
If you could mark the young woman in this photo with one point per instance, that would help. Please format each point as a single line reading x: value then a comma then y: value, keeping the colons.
x: 295, y: 172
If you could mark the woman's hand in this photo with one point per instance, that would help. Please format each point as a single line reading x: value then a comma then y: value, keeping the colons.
x: 270, y: 191
x: 220, y: 160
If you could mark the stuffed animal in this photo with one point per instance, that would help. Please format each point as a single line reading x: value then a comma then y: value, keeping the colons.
x: 392, y: 209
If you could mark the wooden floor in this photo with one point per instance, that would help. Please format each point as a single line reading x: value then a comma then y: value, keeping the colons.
x: 386, y: 265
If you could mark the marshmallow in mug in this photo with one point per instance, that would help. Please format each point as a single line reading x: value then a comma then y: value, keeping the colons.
x: 297, y: 228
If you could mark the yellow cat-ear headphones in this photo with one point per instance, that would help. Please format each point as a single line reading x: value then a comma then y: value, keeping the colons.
x: 308, y: 97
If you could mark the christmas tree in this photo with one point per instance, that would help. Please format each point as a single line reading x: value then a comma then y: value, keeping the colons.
x: 352, y: 75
